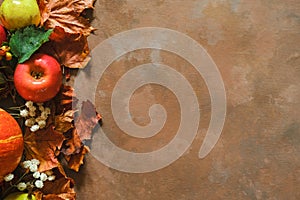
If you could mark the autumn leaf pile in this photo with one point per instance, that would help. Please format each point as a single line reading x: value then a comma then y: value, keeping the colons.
x: 61, y: 144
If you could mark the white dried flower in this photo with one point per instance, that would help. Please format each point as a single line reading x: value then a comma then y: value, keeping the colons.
x: 21, y: 186
x: 43, y: 177
x: 44, y: 115
x: 29, y: 104
x: 33, y: 168
x: 31, y: 113
x: 40, y: 104
x: 24, y: 113
x: 49, y: 172
x: 51, y: 178
x: 35, y: 161
x: 39, y: 184
x: 9, y: 177
x: 34, y: 128
x: 38, y: 119
x: 36, y: 175
x: 47, y: 110
x: 29, y: 122
x: 29, y: 185
x: 26, y: 164
x: 32, y: 108
x: 41, y: 108
x: 42, y: 123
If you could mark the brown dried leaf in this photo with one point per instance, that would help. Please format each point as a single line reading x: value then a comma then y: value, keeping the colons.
x: 43, y: 145
x: 68, y: 42
x: 66, y: 99
x: 68, y: 95
x: 76, y: 160
x: 63, y: 196
x: 63, y: 122
x: 72, y: 145
x: 67, y: 15
x: 58, y: 186
x: 71, y: 50
x: 61, y: 188
x: 87, y: 120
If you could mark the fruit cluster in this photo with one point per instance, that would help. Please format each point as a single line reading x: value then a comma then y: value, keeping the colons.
x: 40, y: 42
x: 38, y: 79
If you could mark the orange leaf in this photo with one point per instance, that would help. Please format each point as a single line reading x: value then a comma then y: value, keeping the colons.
x: 43, y: 145
x: 66, y: 99
x: 63, y: 122
x: 76, y: 160
x: 63, y: 196
x: 67, y: 15
x: 68, y: 42
x: 60, y: 188
x: 71, y: 50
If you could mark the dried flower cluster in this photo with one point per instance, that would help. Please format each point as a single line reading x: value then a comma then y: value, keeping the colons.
x: 34, y: 120
x: 50, y: 136
x: 32, y: 175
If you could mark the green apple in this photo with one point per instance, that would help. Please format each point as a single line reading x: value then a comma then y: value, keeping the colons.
x: 15, y: 14
x: 20, y: 196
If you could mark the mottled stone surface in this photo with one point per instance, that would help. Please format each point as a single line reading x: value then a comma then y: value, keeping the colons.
x: 255, y: 44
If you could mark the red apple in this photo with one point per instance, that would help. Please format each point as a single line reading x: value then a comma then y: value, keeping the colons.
x: 38, y: 79
x: 2, y: 35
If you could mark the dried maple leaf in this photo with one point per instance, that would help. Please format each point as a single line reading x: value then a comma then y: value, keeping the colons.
x: 76, y: 160
x: 61, y: 188
x: 87, y: 120
x: 66, y: 99
x: 63, y: 196
x: 43, y: 145
x: 63, y: 122
x: 71, y: 50
x: 72, y: 144
x: 66, y: 14
x: 68, y: 42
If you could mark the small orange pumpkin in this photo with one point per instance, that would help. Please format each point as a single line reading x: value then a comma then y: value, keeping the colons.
x: 11, y: 144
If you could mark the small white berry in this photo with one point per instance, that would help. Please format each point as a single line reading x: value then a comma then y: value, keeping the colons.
x: 42, y: 124
x: 39, y: 184
x: 24, y: 113
x: 41, y: 108
x: 8, y: 177
x: 21, y: 186
x: 31, y: 113
x: 44, y: 115
x: 32, y: 108
x: 33, y: 168
x: 26, y: 164
x: 43, y: 177
x: 29, y: 122
x: 29, y: 104
x: 47, y: 110
x: 36, y: 175
x: 34, y: 128
x: 51, y: 178
x: 35, y: 161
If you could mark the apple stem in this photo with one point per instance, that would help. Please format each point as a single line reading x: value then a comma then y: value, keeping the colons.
x: 36, y: 75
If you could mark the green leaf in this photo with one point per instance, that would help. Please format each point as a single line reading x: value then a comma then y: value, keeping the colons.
x: 24, y: 42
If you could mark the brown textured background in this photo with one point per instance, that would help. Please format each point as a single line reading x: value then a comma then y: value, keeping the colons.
x: 255, y: 44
